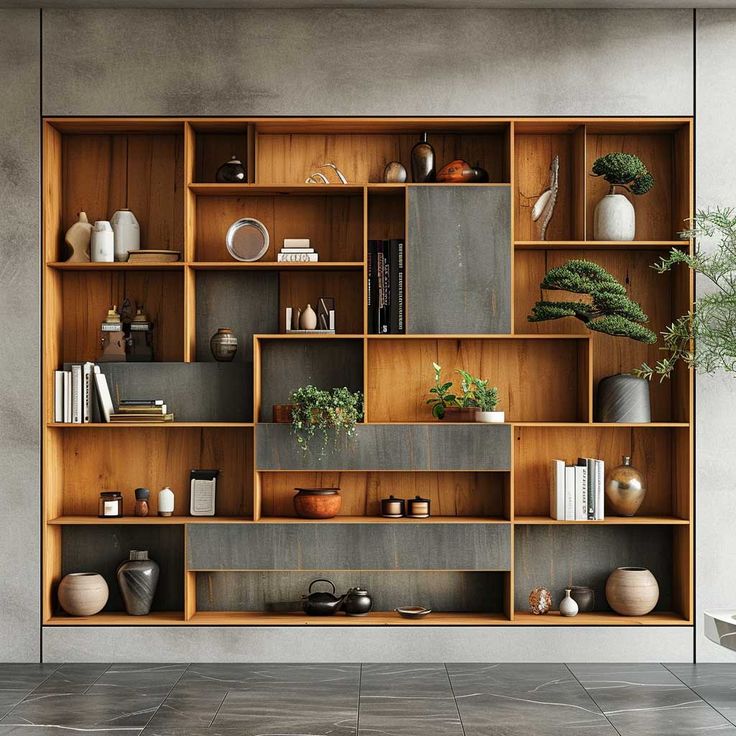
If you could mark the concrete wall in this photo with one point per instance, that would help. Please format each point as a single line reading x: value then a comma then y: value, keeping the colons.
x: 20, y: 430
x: 345, y: 62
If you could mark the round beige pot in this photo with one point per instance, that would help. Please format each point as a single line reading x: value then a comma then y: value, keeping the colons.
x: 632, y: 591
x: 83, y: 593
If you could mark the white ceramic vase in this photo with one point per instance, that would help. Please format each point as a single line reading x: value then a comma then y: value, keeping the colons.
x: 83, y: 593
x: 490, y: 417
x: 568, y: 607
x: 632, y: 591
x: 165, y: 502
x: 102, y: 247
x: 614, y: 218
x: 308, y: 320
x: 127, y: 233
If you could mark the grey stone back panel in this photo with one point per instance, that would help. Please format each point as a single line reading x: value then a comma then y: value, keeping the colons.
x: 391, y: 447
x: 458, y: 259
x: 316, y: 546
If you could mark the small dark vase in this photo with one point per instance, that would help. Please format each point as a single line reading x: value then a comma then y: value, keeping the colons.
x: 137, y: 580
x: 623, y: 398
x: 584, y: 597
x: 224, y: 345
x: 357, y: 602
x: 231, y: 172
x: 422, y: 161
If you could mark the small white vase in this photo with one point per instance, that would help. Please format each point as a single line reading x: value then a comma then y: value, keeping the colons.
x: 102, y: 243
x: 614, y: 218
x: 165, y: 502
x: 308, y: 320
x: 568, y: 607
x: 127, y: 233
x: 490, y: 417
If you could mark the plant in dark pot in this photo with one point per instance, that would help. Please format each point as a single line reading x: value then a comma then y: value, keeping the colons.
x: 608, y: 310
x: 323, y: 413
x: 614, y: 217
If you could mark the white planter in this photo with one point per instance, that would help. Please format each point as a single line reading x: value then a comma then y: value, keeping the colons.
x: 490, y: 417
x: 614, y: 218
x: 127, y: 233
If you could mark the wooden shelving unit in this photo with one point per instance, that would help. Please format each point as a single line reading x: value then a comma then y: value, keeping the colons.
x: 488, y: 485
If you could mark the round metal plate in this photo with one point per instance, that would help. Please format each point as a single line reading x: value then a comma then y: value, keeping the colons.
x: 247, y: 239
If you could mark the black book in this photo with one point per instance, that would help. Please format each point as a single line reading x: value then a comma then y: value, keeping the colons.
x: 386, y: 314
x: 381, y: 325
x: 396, y: 289
x: 372, y: 286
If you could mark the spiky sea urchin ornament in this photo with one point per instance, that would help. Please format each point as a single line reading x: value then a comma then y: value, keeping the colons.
x: 609, y: 311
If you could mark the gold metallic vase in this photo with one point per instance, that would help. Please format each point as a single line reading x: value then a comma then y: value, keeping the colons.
x: 625, y: 489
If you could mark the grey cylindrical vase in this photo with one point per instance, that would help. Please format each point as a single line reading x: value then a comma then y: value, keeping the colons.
x: 623, y: 398
x: 137, y: 580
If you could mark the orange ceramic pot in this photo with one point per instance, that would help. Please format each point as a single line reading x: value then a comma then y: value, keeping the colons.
x: 317, y: 503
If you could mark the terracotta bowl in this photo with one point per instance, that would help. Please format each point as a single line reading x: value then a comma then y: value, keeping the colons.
x: 317, y: 503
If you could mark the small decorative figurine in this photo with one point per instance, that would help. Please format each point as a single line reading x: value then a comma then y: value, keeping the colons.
x: 540, y: 601
x: 77, y: 239
x: 231, y: 172
x: 112, y: 338
x: 326, y: 174
x: 141, y: 501
x: 545, y: 206
x: 394, y: 173
x: 140, y: 343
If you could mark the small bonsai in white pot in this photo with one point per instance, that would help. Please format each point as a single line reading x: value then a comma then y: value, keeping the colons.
x: 614, y: 217
x: 483, y: 397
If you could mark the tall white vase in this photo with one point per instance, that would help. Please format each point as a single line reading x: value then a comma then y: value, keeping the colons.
x: 127, y: 234
x: 614, y: 218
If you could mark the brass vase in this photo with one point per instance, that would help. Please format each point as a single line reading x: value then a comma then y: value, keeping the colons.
x: 625, y: 489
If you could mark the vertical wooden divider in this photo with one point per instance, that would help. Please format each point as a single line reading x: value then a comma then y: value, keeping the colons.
x: 579, y: 213
x: 252, y: 143
x: 189, y: 254
x: 256, y: 419
x: 365, y: 304
x: 510, y: 133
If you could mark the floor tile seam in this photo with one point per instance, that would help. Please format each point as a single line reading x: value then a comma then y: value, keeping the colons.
x: 163, y: 700
x: 454, y: 699
x: 38, y: 685
x: 219, y: 708
x: 698, y: 695
x: 360, y: 695
x: 593, y: 700
x: 98, y: 678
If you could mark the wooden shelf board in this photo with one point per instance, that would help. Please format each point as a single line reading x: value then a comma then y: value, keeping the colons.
x: 148, y: 425
x: 479, y: 336
x: 158, y: 618
x: 80, y: 520
x: 382, y: 520
x: 261, y: 190
x: 117, y: 266
x: 602, y: 618
x: 601, y: 244
x: 377, y: 618
x: 309, y: 336
x: 635, y: 520
x: 276, y: 266
x: 606, y: 425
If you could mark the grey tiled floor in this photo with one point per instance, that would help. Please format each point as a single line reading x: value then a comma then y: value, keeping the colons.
x: 367, y: 700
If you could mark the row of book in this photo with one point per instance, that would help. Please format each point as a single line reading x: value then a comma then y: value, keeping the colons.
x: 386, y: 261
x: 82, y: 396
x: 577, y: 491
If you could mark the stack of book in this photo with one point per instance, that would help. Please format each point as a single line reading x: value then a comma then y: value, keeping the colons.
x: 577, y: 491
x: 82, y: 395
x: 297, y: 250
x: 386, y: 287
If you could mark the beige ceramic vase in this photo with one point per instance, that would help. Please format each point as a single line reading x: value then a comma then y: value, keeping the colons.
x: 632, y: 591
x: 83, y: 593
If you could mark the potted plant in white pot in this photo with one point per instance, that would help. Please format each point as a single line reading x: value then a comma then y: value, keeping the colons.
x: 483, y: 397
x: 614, y: 217
x: 477, y: 402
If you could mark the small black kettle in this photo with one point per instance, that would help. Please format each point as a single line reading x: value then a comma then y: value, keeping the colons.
x: 321, y: 603
x: 357, y: 602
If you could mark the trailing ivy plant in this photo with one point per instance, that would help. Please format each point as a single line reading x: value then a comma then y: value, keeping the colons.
x: 624, y: 170
x: 324, y: 412
x: 609, y: 309
x: 705, y: 337
x: 476, y: 393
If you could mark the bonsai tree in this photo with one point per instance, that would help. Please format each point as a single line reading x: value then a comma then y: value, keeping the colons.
x: 476, y: 393
x: 704, y: 338
x: 609, y: 309
x: 624, y: 170
x: 323, y: 412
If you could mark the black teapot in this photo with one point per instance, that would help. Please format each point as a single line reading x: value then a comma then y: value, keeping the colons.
x: 321, y: 603
x: 357, y: 602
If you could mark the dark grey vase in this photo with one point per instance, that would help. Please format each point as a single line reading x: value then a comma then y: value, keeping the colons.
x: 623, y: 398
x: 137, y: 580
x: 422, y: 161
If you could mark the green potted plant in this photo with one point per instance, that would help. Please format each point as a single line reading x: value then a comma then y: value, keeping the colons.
x: 607, y: 309
x: 320, y: 413
x: 614, y: 217
x: 476, y: 402
x: 483, y: 397
x: 704, y: 338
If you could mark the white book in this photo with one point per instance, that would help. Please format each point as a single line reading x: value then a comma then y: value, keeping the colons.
x: 600, y: 486
x: 569, y: 493
x: 297, y: 250
x: 87, y: 392
x: 557, y: 490
x: 67, y: 397
x: 58, y: 396
x: 76, y: 394
x: 297, y: 243
x: 297, y: 257
x: 103, y: 393
x: 581, y: 493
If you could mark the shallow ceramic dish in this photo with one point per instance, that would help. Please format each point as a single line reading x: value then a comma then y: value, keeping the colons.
x: 412, y: 611
x: 247, y: 239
